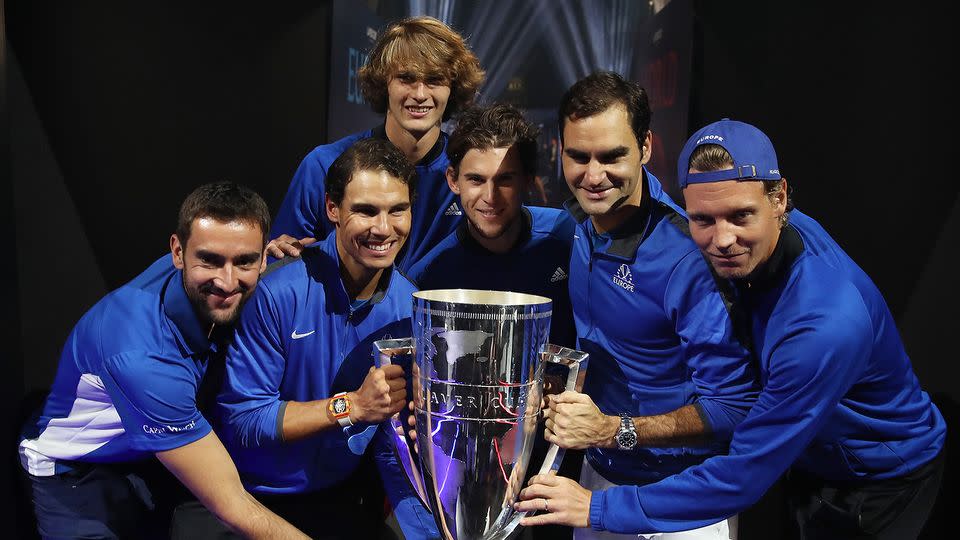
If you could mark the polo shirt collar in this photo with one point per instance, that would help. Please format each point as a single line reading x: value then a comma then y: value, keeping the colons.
x: 192, y: 335
x: 380, y: 132
x: 340, y: 297
x: 770, y: 273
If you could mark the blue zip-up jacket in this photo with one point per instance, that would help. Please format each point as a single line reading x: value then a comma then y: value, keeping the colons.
x: 651, y: 314
x: 435, y: 209
x: 539, y: 263
x: 127, y: 381
x: 839, y: 399
x: 299, y: 339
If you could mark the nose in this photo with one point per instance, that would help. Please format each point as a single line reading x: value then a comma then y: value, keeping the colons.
x: 489, y: 192
x: 227, y: 279
x: 595, y: 172
x: 419, y: 90
x: 724, y: 238
x: 380, y: 225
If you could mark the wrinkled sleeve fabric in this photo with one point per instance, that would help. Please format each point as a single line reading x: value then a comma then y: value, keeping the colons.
x: 155, y: 398
x: 721, y: 368
x: 814, y: 358
x: 249, y: 404
x: 414, y: 519
x: 301, y: 214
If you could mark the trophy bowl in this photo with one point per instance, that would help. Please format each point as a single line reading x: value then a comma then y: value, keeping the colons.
x: 479, y: 362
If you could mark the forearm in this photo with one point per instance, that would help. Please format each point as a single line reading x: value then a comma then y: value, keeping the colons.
x: 249, y: 518
x: 302, y: 419
x: 675, y: 428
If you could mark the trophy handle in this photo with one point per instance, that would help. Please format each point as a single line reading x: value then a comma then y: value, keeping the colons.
x: 576, y: 363
x: 383, y: 352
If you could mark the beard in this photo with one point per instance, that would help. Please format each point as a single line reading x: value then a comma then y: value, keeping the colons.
x: 207, y: 316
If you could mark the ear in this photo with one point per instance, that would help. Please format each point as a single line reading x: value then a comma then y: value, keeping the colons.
x: 780, y: 199
x: 647, y: 148
x: 176, y: 251
x: 333, y: 211
x: 452, y: 180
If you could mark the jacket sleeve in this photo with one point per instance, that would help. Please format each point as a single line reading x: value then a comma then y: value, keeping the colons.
x: 414, y: 519
x: 721, y: 367
x: 249, y: 404
x: 302, y: 214
x: 814, y: 359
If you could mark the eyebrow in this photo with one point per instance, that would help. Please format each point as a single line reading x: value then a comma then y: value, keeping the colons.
x: 614, y: 153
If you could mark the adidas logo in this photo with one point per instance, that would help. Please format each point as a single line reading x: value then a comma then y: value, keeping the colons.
x: 558, y: 275
x: 453, y: 210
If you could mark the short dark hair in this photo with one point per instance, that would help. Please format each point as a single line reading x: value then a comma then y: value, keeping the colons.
x: 224, y: 202
x: 601, y: 90
x: 369, y: 155
x: 713, y: 157
x: 496, y: 126
x: 427, y: 48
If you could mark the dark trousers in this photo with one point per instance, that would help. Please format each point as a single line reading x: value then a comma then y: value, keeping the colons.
x: 896, y: 508
x: 350, y: 510
x: 105, y: 502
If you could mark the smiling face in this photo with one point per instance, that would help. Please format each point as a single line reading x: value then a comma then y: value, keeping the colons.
x: 221, y: 265
x: 373, y: 222
x: 490, y: 184
x: 415, y: 103
x: 735, y: 223
x: 603, y: 165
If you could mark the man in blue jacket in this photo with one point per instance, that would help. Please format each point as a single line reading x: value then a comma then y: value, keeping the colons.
x: 668, y: 378
x: 840, y: 405
x: 419, y: 73
x: 302, y: 401
x: 127, y: 387
x: 502, y: 244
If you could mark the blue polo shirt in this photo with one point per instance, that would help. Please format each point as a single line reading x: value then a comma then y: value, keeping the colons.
x: 300, y: 338
x: 839, y: 400
x: 127, y: 380
x: 436, y: 211
x: 539, y: 263
x: 656, y: 324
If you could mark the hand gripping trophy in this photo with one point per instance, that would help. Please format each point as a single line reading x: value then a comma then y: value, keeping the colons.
x: 479, y: 360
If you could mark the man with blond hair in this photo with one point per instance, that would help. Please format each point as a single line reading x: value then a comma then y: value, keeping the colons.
x: 419, y: 73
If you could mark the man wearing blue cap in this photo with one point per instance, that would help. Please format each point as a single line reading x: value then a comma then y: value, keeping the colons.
x: 840, y: 407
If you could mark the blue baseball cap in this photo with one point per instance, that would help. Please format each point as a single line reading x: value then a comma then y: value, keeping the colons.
x: 751, y: 150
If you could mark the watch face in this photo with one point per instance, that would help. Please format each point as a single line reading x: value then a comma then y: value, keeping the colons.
x: 627, y: 439
x: 339, y: 406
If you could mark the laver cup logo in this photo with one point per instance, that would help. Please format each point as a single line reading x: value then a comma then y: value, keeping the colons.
x: 477, y: 373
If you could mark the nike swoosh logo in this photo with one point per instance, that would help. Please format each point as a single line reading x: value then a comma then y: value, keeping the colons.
x: 295, y: 335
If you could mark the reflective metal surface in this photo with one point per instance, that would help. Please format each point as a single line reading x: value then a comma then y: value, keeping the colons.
x: 478, y: 366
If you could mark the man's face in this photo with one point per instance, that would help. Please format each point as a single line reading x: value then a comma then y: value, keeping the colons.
x: 221, y: 265
x: 735, y: 224
x: 416, y: 103
x: 490, y: 184
x: 373, y: 221
x: 602, y: 161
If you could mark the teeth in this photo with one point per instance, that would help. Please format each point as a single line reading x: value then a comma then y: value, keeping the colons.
x: 419, y: 109
x: 379, y: 247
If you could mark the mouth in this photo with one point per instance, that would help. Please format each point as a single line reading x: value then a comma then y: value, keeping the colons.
x: 726, y: 257
x: 378, y: 248
x: 488, y: 213
x: 596, y: 193
x: 418, y: 111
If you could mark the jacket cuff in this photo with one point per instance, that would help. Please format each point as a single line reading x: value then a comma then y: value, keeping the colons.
x: 597, y: 500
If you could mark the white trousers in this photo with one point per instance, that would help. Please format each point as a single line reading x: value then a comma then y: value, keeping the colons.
x: 591, y: 479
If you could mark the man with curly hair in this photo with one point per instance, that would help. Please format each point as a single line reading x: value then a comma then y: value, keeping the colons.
x: 419, y: 73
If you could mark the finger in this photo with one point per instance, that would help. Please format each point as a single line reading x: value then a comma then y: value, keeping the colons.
x: 546, y: 480
x: 274, y: 251
x: 399, y: 397
x: 541, y: 519
x: 397, y: 384
x: 569, y: 396
x: 392, y: 371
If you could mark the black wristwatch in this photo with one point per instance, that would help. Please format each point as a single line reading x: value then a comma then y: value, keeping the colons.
x: 627, y: 434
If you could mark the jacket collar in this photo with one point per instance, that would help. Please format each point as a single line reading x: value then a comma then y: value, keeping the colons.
x: 470, y: 243
x: 770, y: 273
x: 380, y: 132
x: 329, y: 267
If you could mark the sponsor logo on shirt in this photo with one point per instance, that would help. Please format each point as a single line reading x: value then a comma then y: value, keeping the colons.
x: 295, y: 335
x: 162, y: 430
x: 624, y: 278
x: 558, y: 275
x: 453, y: 210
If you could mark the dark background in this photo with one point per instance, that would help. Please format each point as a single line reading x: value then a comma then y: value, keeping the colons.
x: 115, y: 111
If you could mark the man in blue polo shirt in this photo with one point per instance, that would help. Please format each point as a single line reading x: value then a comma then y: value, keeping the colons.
x: 668, y: 378
x: 419, y: 73
x: 302, y: 401
x: 126, y: 387
x: 840, y: 405
x: 502, y: 244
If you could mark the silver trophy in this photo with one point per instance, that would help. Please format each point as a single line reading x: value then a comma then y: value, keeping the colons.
x: 480, y: 359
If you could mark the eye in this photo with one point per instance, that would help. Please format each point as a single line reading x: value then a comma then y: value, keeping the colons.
x: 406, y: 78
x: 436, y: 80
